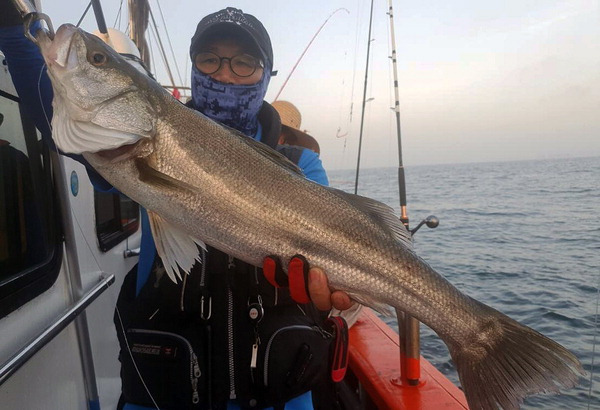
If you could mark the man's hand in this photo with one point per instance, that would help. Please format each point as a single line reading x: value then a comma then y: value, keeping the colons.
x: 322, y: 296
x: 305, y: 284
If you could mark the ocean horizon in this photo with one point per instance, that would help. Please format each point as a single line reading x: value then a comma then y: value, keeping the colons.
x: 433, y: 164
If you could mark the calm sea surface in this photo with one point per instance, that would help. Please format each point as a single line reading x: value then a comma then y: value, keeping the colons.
x: 522, y: 237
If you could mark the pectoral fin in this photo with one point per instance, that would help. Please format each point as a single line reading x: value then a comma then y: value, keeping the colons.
x: 151, y: 176
x: 177, y: 249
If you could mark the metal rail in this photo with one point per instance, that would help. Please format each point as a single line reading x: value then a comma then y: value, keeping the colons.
x: 37, y: 343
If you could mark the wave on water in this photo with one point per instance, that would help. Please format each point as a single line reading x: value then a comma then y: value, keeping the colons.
x: 522, y: 237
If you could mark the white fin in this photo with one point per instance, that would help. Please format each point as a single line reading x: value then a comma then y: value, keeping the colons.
x: 76, y: 137
x: 176, y: 248
x: 364, y: 300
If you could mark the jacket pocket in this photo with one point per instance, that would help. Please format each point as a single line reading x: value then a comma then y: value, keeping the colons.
x: 295, y: 360
x: 160, y: 368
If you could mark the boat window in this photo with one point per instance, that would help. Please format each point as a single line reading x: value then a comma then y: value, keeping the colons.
x: 29, y: 238
x: 117, y: 217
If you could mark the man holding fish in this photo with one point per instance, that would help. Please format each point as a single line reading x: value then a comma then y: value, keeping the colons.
x: 240, y: 310
x: 204, y: 183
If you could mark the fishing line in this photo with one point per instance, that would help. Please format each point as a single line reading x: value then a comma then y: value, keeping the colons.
x: 39, y: 84
x: 84, y: 13
x: 118, y: 18
x: 117, y: 310
x: 162, y: 17
x: 132, y: 359
x: 93, y: 254
x: 594, y: 342
x: 161, y: 48
x: 57, y: 151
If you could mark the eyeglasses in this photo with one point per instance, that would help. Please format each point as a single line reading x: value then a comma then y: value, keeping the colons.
x: 243, y: 65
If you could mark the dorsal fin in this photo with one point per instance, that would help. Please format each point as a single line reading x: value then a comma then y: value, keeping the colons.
x: 381, y: 213
x: 266, y: 151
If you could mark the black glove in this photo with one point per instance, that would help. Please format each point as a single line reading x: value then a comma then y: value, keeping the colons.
x: 9, y: 15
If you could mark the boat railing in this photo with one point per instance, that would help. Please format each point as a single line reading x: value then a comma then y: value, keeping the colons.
x: 61, y: 322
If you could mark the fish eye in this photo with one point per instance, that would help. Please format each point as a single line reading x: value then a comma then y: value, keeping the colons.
x: 98, y: 58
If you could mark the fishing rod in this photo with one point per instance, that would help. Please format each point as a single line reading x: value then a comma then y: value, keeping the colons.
x: 305, y: 50
x: 396, y: 108
x: 408, y: 326
x: 364, y: 102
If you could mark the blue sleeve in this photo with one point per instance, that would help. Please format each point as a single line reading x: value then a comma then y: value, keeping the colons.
x: 28, y: 72
x: 311, y: 165
x: 147, y: 253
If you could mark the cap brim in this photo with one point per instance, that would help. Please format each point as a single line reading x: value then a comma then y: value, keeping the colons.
x: 231, y: 26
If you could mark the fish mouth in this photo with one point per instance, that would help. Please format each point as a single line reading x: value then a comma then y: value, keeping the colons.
x: 58, y: 52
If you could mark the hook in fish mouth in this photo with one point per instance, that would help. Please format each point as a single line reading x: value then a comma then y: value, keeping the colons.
x: 31, y: 18
x: 57, y: 51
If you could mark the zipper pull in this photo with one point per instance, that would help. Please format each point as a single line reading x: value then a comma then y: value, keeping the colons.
x: 338, y: 360
x: 254, y: 356
x: 197, y: 373
x: 196, y: 366
x: 195, y: 394
x: 230, y: 270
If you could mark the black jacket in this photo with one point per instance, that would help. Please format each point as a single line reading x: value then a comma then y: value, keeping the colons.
x: 211, y: 310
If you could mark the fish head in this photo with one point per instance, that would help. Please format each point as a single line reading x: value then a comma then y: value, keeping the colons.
x: 101, y: 102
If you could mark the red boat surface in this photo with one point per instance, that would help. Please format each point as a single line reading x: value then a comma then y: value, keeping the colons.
x: 374, y: 369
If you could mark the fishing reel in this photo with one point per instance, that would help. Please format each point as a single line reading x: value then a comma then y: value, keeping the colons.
x: 431, y: 221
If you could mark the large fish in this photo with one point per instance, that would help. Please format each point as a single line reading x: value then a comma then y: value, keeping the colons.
x: 202, y: 182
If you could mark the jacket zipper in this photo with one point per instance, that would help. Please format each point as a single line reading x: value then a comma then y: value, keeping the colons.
x: 283, y: 329
x: 203, y: 274
x: 181, y: 299
x: 230, y: 267
x: 185, y: 277
x: 194, y: 366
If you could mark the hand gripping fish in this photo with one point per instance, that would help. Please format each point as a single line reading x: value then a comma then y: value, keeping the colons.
x: 202, y: 182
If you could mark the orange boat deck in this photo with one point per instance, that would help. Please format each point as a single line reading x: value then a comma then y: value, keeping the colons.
x: 374, y: 360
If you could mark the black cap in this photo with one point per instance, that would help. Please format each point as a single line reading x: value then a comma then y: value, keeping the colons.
x: 237, y: 18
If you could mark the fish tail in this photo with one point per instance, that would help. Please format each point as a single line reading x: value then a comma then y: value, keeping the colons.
x: 504, y: 361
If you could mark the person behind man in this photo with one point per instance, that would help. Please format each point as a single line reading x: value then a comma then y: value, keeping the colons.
x: 228, y: 338
x: 291, y: 119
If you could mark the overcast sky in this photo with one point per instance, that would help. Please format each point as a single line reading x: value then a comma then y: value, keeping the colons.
x: 479, y: 80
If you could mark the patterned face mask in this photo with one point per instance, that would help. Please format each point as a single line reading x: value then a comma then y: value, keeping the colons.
x: 234, y: 105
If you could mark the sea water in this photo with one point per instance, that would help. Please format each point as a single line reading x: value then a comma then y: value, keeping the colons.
x: 522, y: 237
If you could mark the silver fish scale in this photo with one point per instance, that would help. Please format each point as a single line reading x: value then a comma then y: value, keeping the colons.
x: 263, y: 209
